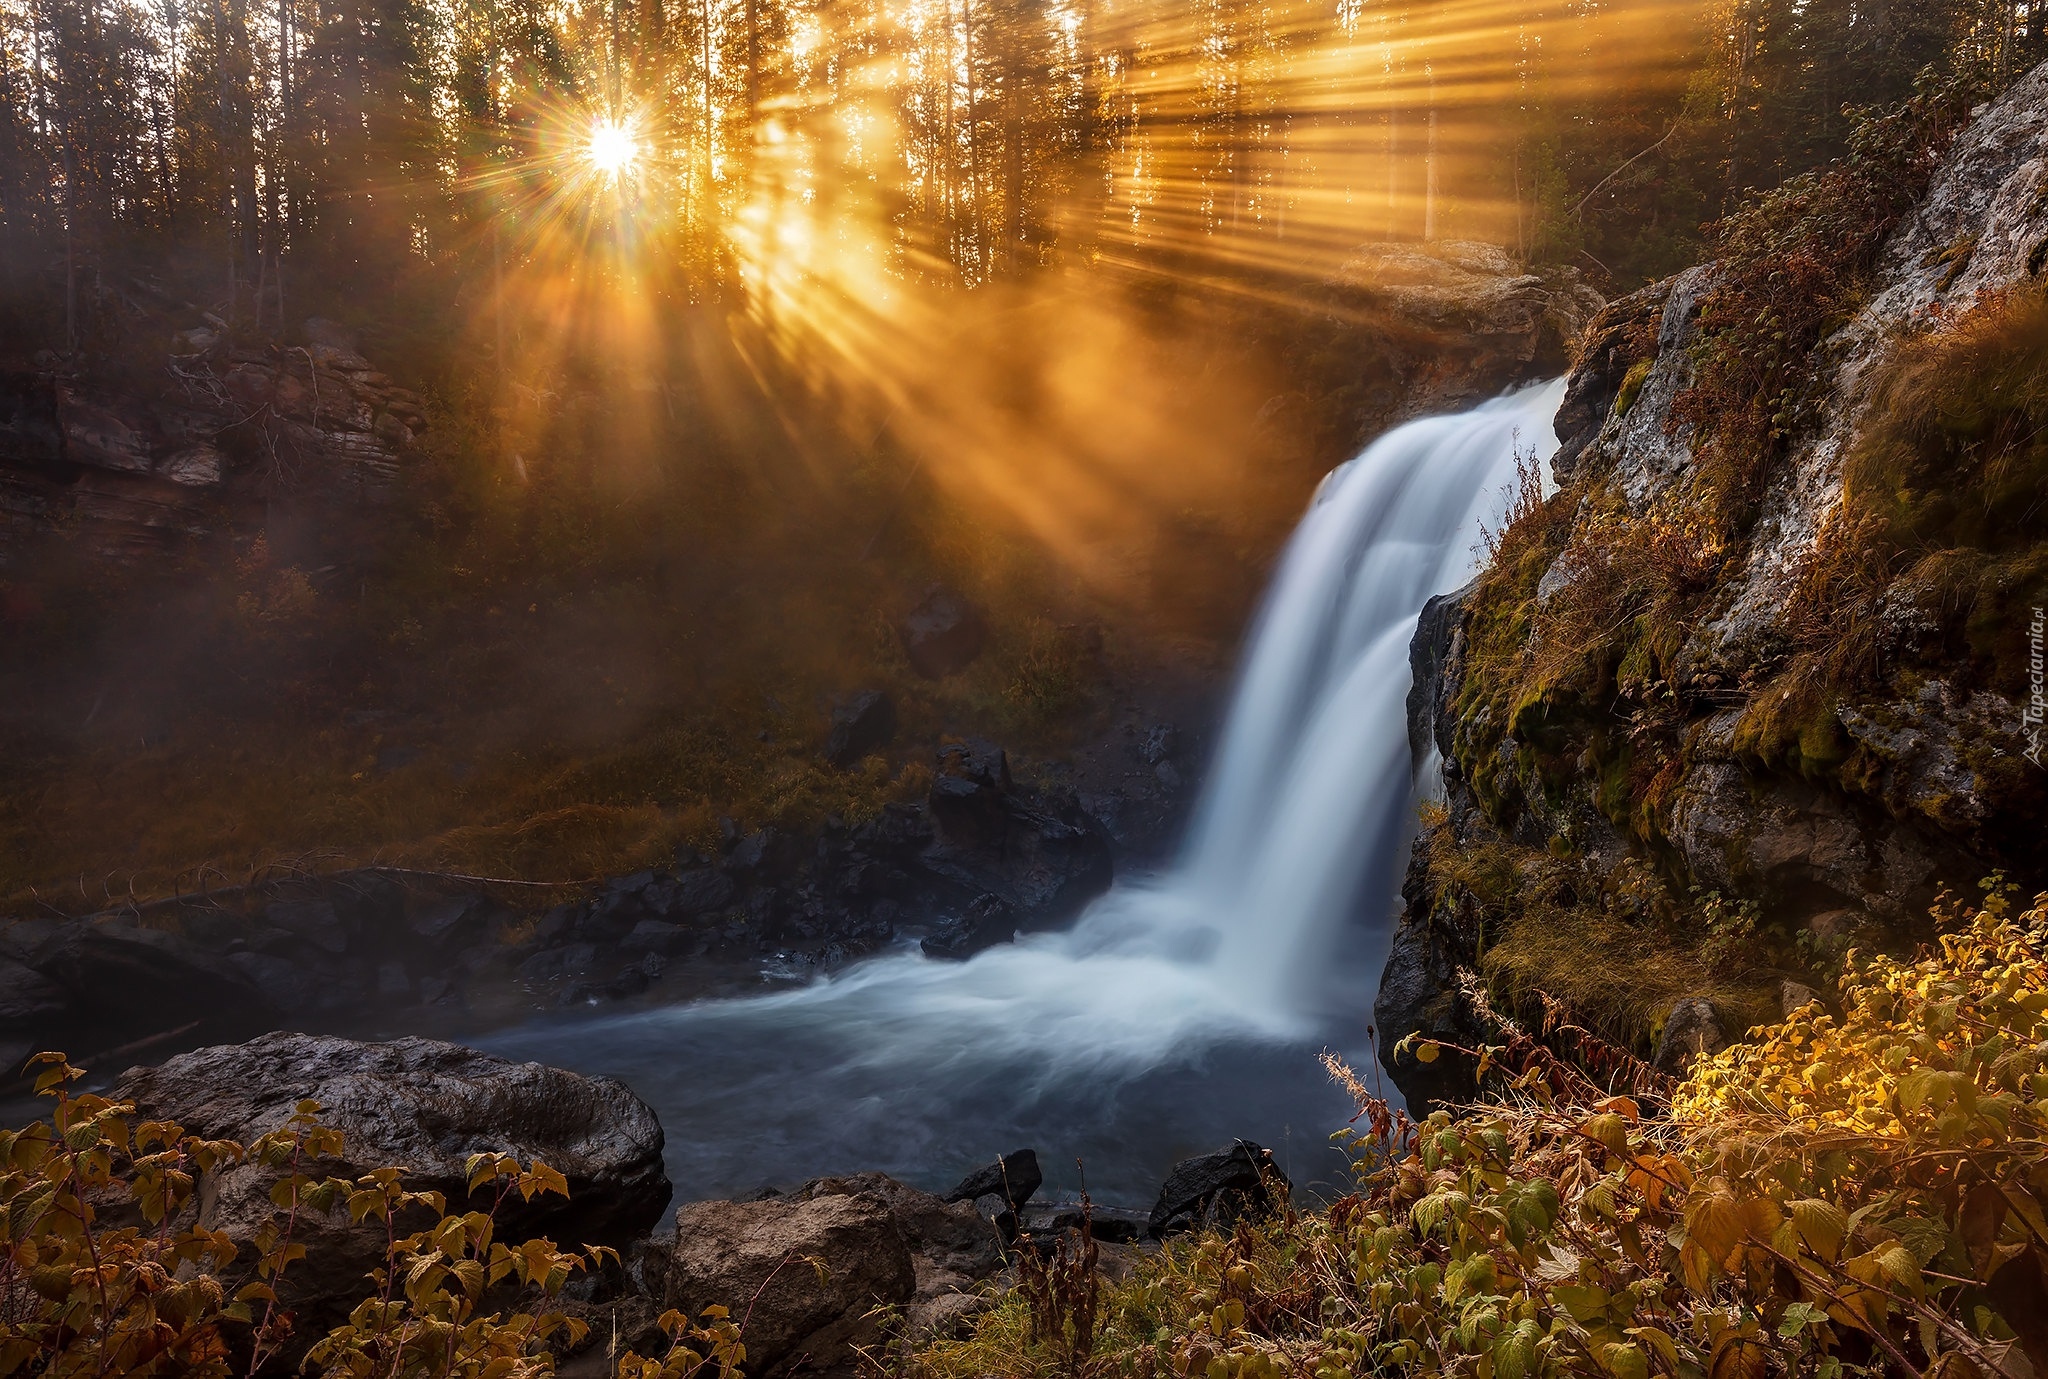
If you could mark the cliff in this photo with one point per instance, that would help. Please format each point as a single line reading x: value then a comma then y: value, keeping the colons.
x: 1753, y: 687
x: 210, y: 436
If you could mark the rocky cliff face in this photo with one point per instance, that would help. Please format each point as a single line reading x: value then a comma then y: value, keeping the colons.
x: 1693, y: 756
x: 136, y: 465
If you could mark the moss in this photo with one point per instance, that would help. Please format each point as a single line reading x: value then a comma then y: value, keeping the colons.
x: 1632, y: 386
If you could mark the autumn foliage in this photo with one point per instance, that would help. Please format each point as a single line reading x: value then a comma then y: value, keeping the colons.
x: 1862, y: 1192
x: 110, y: 1268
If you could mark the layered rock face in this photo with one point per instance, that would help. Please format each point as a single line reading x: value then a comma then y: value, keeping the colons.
x: 1830, y: 728
x: 135, y: 466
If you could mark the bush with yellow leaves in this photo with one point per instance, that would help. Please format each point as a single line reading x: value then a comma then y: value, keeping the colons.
x: 109, y: 1270
x: 1843, y: 1195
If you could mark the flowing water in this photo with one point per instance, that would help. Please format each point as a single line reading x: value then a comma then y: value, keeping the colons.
x: 1182, y: 1010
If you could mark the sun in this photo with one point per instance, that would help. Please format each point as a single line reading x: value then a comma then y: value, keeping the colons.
x: 613, y: 147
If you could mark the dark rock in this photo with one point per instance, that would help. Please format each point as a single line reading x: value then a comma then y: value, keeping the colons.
x: 1429, y: 653
x: 943, y: 635
x: 454, y: 921
x: 282, y: 983
x: 27, y: 997
x: 861, y: 723
x: 988, y: 921
x: 1162, y: 741
x: 1690, y: 1030
x: 572, y: 960
x: 755, y: 1259
x: 1013, y: 1177
x: 1114, y: 1224
x: 968, y: 813
x: 1620, y: 336
x: 979, y: 761
x: 1434, y: 946
x: 1216, y: 1189
x: 315, y: 921
x: 656, y: 936
x: 750, y: 854
x: 632, y: 884
x: 125, y: 980
x: 700, y: 891
x: 421, y: 1104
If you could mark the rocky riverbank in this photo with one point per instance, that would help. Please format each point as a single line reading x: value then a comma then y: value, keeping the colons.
x: 878, y: 1258
x: 981, y: 858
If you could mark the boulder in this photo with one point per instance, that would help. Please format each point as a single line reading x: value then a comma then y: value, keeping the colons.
x: 861, y: 723
x: 420, y: 1104
x: 1690, y: 1030
x: 952, y: 1247
x: 943, y: 635
x: 1013, y: 1176
x: 1216, y: 1189
x: 805, y: 1272
x: 987, y: 921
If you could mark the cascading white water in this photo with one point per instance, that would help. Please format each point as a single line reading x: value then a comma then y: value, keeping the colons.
x: 1179, y: 1010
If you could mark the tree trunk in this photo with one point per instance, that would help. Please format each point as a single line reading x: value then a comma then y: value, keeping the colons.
x: 1430, y: 168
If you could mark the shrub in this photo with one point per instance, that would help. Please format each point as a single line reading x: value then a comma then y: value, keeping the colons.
x: 109, y: 1269
x: 1852, y: 1194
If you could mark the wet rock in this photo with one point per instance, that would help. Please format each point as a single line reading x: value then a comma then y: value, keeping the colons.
x: 1216, y: 1189
x: 1162, y: 742
x: 755, y: 1258
x: 1691, y: 1030
x: 422, y: 1104
x: 1014, y: 1177
x: 943, y: 635
x: 987, y: 921
x: 861, y: 723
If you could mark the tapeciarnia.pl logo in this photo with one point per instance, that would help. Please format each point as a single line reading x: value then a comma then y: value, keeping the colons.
x: 2036, y: 711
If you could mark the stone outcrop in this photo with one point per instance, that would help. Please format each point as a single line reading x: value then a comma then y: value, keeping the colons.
x: 135, y: 465
x: 417, y: 1104
x: 1455, y: 321
x: 1919, y: 785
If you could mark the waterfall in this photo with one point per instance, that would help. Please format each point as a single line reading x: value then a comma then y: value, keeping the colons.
x: 1181, y: 1010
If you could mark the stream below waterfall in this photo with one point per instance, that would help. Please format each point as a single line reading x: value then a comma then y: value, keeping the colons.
x: 1183, y: 1009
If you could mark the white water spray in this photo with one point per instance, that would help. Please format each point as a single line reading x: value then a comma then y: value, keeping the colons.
x: 1175, y: 1011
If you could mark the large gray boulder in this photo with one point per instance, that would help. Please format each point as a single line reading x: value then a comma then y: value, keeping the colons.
x: 423, y: 1105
